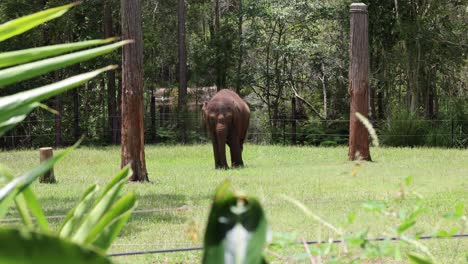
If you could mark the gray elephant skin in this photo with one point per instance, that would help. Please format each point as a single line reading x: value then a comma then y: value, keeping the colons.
x: 226, y: 117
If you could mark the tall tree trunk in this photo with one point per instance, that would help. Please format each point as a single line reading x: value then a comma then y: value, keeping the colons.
x: 219, y: 68
x: 182, y: 98
x: 241, y: 49
x: 359, y: 83
x: 323, y: 79
x: 58, y: 116
x: 133, y: 151
x: 111, y: 91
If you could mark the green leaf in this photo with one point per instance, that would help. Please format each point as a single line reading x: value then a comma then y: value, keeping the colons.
x: 14, y: 108
x: 123, y: 206
x: 408, y: 180
x: 110, y: 233
x: 377, y: 206
x: 20, y: 246
x: 96, y: 213
x: 22, y: 24
x: 35, y: 208
x: 22, y: 208
x: 459, y: 209
x: 20, y: 183
x: 101, y: 206
x: 236, y: 230
x: 405, y: 226
x: 33, y: 69
x: 124, y: 174
x: 27, y: 55
x: 458, y: 213
x: 75, y: 215
x: 418, y: 259
x: 8, y: 122
x: 445, y: 234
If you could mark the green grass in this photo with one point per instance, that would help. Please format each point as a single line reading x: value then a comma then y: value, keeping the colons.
x: 183, y: 180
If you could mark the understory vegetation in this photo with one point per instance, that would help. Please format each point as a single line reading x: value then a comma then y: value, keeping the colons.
x: 266, y: 50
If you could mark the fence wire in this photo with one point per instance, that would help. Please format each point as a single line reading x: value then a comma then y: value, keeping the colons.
x: 42, y: 132
x: 308, y: 242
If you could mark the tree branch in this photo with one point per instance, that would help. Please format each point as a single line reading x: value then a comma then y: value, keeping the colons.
x: 307, y: 103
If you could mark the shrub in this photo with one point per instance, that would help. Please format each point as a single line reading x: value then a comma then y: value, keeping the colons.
x: 404, y: 129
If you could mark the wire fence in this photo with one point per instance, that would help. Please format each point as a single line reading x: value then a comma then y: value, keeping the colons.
x: 198, y: 248
x: 308, y: 242
x: 165, y: 129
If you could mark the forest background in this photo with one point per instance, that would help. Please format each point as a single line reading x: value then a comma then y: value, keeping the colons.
x: 269, y: 51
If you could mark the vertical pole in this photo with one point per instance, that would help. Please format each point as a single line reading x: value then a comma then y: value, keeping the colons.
x: 358, y: 82
x: 293, y: 120
x: 45, y: 154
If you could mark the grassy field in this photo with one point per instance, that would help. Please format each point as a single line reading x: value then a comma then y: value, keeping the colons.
x: 176, y: 202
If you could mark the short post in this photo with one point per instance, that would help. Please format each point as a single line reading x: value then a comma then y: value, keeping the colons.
x: 293, y: 120
x: 45, y: 154
x: 358, y: 82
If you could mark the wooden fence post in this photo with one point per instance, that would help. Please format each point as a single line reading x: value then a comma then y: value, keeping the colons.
x: 358, y: 82
x: 45, y: 154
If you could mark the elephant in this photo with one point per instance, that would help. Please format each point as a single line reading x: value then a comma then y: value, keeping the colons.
x: 226, y: 117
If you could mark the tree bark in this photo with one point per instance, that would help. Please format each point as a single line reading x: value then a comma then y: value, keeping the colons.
x: 323, y: 79
x: 111, y: 91
x: 359, y: 82
x: 133, y: 151
x: 182, y: 98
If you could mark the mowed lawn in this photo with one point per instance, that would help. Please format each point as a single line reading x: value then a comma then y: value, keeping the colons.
x: 175, y: 204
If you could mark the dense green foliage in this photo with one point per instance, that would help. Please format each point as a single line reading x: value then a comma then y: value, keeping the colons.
x: 264, y: 49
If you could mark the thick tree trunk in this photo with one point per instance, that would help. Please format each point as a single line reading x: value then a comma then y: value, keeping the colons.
x: 111, y: 91
x: 359, y: 82
x: 133, y: 151
x: 182, y: 98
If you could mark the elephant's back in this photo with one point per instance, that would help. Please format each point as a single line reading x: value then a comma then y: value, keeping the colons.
x: 229, y: 98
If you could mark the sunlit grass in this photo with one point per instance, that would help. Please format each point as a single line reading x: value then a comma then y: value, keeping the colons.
x: 183, y: 180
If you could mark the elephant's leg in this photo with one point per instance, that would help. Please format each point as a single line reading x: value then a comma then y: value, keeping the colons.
x: 214, y: 141
x: 221, y: 140
x: 236, y: 151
